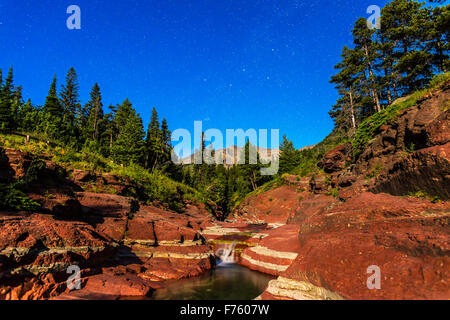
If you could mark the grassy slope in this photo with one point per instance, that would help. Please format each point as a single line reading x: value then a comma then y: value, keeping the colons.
x: 154, y: 186
x: 368, y: 128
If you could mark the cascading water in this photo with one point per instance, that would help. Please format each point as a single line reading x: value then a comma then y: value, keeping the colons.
x: 226, y: 253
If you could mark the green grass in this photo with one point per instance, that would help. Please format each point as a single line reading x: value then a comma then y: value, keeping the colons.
x: 333, y: 192
x: 368, y: 128
x: 309, y: 158
x: 149, y: 185
x: 12, y: 198
x: 238, y: 199
x: 424, y: 195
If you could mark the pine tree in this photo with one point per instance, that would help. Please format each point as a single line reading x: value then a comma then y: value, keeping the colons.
x: 389, y: 79
x: 250, y: 170
x: 52, y: 104
x: 122, y: 113
x: 362, y: 37
x: 129, y: 146
x: 347, y: 82
x: 433, y: 30
x: 110, y: 130
x: 94, y: 111
x: 53, y: 125
x: 155, y: 145
x: 17, y: 104
x: 288, y: 156
x: 6, y: 103
x: 72, y: 110
x: 167, y: 139
x: 397, y: 25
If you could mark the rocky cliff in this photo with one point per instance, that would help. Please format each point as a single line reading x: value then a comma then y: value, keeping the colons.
x: 123, y: 248
x: 388, y: 210
x: 382, y: 213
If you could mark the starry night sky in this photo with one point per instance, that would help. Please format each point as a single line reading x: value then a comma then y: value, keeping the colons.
x: 232, y: 63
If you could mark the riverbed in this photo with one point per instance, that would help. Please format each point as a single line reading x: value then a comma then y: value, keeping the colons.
x: 225, y: 282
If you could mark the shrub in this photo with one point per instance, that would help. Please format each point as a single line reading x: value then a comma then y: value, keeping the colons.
x: 14, y: 199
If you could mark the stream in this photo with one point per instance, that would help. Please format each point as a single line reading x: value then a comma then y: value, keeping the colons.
x: 228, y: 281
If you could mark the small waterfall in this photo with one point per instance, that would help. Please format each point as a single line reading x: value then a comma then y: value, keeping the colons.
x: 226, y: 253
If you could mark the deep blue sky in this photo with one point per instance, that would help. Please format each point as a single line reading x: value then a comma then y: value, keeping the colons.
x: 231, y: 63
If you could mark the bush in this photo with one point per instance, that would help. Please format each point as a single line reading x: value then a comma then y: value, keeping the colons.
x: 14, y: 199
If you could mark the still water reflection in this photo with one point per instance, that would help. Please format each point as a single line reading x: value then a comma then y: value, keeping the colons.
x: 226, y: 282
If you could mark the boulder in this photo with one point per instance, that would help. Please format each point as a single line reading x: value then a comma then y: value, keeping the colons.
x: 406, y: 238
x: 336, y: 159
x: 36, y: 250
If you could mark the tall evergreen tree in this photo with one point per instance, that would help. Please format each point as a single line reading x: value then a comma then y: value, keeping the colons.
x: 122, y: 113
x: 398, y: 25
x: 154, y: 142
x: 110, y: 129
x: 362, y: 37
x: 72, y: 110
x: 288, y: 156
x: 434, y: 33
x: 129, y: 146
x: 250, y: 170
x: 6, y: 103
x: 94, y: 111
x: 52, y: 104
x: 347, y: 82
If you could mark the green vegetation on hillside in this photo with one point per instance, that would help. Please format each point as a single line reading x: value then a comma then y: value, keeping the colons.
x: 369, y: 126
x: 150, y: 185
x: 388, y: 63
x: 385, y: 71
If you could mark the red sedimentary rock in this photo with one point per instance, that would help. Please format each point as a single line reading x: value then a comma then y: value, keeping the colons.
x: 275, y: 252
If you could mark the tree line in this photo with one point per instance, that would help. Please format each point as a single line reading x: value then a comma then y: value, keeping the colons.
x: 399, y: 58
x: 119, y: 135
x: 382, y: 65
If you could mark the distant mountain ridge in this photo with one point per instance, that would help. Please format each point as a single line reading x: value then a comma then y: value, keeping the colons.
x: 232, y: 155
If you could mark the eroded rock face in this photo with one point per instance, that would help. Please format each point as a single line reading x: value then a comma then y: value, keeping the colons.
x: 16, y: 162
x: 275, y: 252
x: 411, y: 154
x: 427, y: 170
x: 407, y: 238
x: 336, y: 159
x: 36, y: 250
x: 274, y: 206
x: 369, y: 222
x: 107, y: 183
x: 122, y: 247
x: 343, y: 236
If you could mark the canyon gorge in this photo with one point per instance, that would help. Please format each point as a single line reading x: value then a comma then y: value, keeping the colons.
x: 315, y: 235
